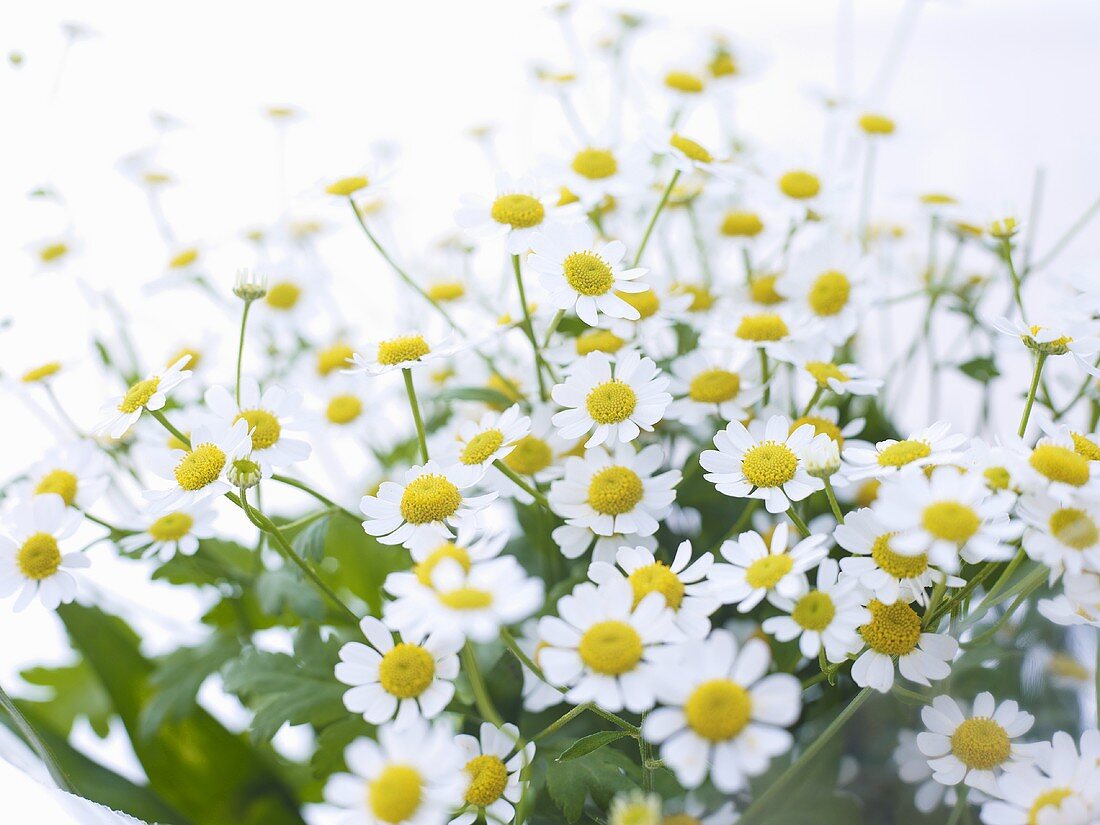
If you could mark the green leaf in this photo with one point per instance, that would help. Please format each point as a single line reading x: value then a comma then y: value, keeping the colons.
x: 284, y: 590
x: 362, y: 560
x: 77, y: 693
x: 982, y: 370
x: 599, y: 775
x: 593, y: 742
x: 328, y: 758
x: 309, y: 542
x: 215, y: 561
x: 179, y: 676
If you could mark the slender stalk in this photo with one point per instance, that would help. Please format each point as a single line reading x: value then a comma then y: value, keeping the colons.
x: 105, y: 524
x: 960, y: 805
x: 550, y: 330
x: 1062, y: 242
x: 516, y: 479
x: 484, y: 701
x: 654, y: 216
x: 700, y: 245
x: 529, y: 328
x: 742, y: 520
x: 797, y: 519
x: 159, y: 416
x: 1039, y: 361
x: 813, y: 400
x: 36, y: 742
x: 420, y: 434
x: 833, y: 503
x: 938, y: 589
x: 1006, y: 253
x: 240, y: 349
x: 560, y: 722
x: 764, y: 376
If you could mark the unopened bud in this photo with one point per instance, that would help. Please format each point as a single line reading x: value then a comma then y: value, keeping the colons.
x: 822, y: 457
x: 244, y: 473
x: 249, y: 286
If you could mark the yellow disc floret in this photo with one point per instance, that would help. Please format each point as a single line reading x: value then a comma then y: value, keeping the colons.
x: 764, y: 327
x: 488, y: 779
x: 588, y: 273
x: 611, y: 647
x: 1082, y: 445
x: 615, y: 490
x: 901, y: 453
x: 1060, y: 464
x: 347, y: 186
x: 702, y: 298
x: 820, y: 425
x: 684, y: 82
x: 598, y: 340
x: 981, y: 744
x: 481, y: 447
x: 430, y: 497
x: 762, y: 290
x: 718, y: 709
x: 406, y: 671
x: 765, y: 573
x: 646, y: 302
x: 518, y: 211
x: 951, y: 521
x: 450, y: 551
x: 466, y: 598
x: 446, y: 291
x: 200, y: 467
x: 402, y: 349
x: 263, y: 426
x: 41, y: 373
x: 814, y: 611
x: 531, y: 455
x: 1048, y: 799
x: 823, y: 371
x: 769, y: 464
x: 894, y: 629
x: 714, y: 386
x: 739, y: 224
x: 39, y: 557
x: 171, y: 527
x: 138, y: 395
x: 1074, y: 528
x: 875, y: 124
x: 657, y: 578
x: 343, y: 409
x: 283, y: 295
x: 799, y: 184
x: 897, y: 565
x: 394, y: 795
x: 611, y: 402
x: 692, y: 150
x: 829, y: 293
x: 59, y: 482
x: 334, y: 358
x: 595, y: 164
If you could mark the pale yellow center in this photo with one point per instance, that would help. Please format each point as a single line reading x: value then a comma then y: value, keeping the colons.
x: 283, y: 295
x: 769, y: 464
x: 951, y: 521
x: 714, y: 386
x: 451, y: 551
x: 481, y: 447
x: 39, y: 557
x: 343, y: 409
x: 1060, y: 464
x: 595, y: 164
x: 402, y: 349
x: 897, y: 565
x: 200, y: 467
x: 171, y: 527
x: 829, y: 293
x: 406, y: 671
x: 518, y: 211
x: 263, y: 426
x: 765, y: 573
x: 488, y: 779
x: 138, y: 395
x: 59, y: 482
x: 738, y: 224
x: 814, y: 611
x: 429, y: 498
x: 799, y: 184
x: 894, y: 629
x: 615, y: 490
x: 764, y: 327
x: 718, y: 709
x: 611, y: 647
x: 611, y: 402
x: 903, y: 452
x: 394, y: 795
x: 657, y: 578
x: 333, y: 358
x: 588, y: 273
x: 1074, y: 528
x: 980, y: 743
x: 530, y: 455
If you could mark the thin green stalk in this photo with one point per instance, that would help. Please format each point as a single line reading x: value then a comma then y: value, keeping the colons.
x: 420, y: 434
x: 482, y: 698
x: 550, y: 330
x: 1039, y: 361
x: 519, y: 482
x: 36, y: 742
x: 529, y: 328
x: 1006, y: 253
x: 700, y: 245
x: 560, y: 722
x: 797, y: 519
x: 240, y: 349
x: 960, y: 805
x: 938, y: 589
x: 742, y: 520
x: 764, y: 376
x: 654, y: 216
x: 106, y: 524
x: 305, y: 488
x: 159, y: 416
x: 813, y: 400
x: 833, y: 503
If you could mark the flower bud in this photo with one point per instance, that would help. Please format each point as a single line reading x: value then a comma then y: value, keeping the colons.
x: 249, y: 286
x: 822, y: 457
x: 244, y: 473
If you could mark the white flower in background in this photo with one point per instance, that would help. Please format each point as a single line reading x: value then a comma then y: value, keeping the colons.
x: 827, y: 617
x: 721, y: 383
x: 826, y: 421
x: 773, y: 329
x: 635, y: 807
x: 1079, y: 339
x: 597, y: 172
x: 602, y: 646
x: 682, y: 584
x: 403, y: 681
x: 976, y: 748
x: 269, y: 416
x: 427, y: 508
x: 612, y: 399
x: 822, y: 458
x: 584, y: 275
x: 823, y: 282
x: 840, y: 378
x: 1079, y: 603
x: 759, y: 569
x: 163, y: 535
x: 913, y: 769
x: 31, y: 561
x: 1065, y: 539
x: 481, y: 443
x: 203, y: 470
x: 948, y: 515
x: 686, y: 154
x: 411, y: 775
x: 720, y: 713
x: 895, y: 631
x: 538, y: 454
x: 151, y: 393
x: 342, y: 404
x: 464, y: 549
x: 402, y: 352
x: 763, y: 461
x: 473, y: 603
x: 612, y: 496
x: 931, y: 445
x: 1056, y: 466
x: 77, y: 471
x: 993, y: 463
x: 516, y: 213
x: 661, y: 309
x: 690, y: 810
x: 492, y: 771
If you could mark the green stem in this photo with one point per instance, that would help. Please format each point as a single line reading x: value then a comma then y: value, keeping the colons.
x: 1006, y: 253
x: 529, y: 328
x: 700, y: 245
x: 519, y: 482
x: 481, y: 693
x: 240, y: 348
x: 554, y: 322
x: 938, y: 590
x: 833, y: 503
x: 305, y: 488
x: 1031, y: 393
x: 813, y: 400
x: 106, y: 524
x: 420, y: 434
x: 183, y: 439
x: 36, y: 742
x: 764, y: 376
x: 742, y: 520
x: 797, y: 519
x: 560, y: 722
x: 654, y: 216
x: 960, y: 805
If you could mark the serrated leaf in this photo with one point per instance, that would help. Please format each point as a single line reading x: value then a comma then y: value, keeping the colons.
x: 77, y: 694
x: 593, y: 742
x: 215, y: 561
x: 599, y: 775
x: 178, y: 677
x: 284, y: 590
x: 363, y: 561
x: 310, y: 540
x: 328, y: 757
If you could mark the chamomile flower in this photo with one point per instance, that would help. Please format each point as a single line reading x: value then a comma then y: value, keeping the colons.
x: 150, y: 393
x: 612, y: 399
x: 464, y: 549
x: 757, y: 568
x: 635, y: 807
x: 595, y: 173
x: 895, y: 632
x: 661, y: 309
x: 762, y: 461
x: 840, y: 378
x: 720, y: 713
x: 686, y: 154
x: 401, y: 680
x: 537, y: 694
x: 973, y: 749
x: 602, y: 643
x: 913, y: 770
x: 492, y: 772
x: 682, y: 583
x: 77, y: 471
x: 992, y: 462
x: 204, y: 469
x: 773, y: 329
x: 827, y: 617
x: 692, y: 811
x: 948, y: 515
x: 269, y: 418
x: 1080, y: 339
x: 932, y: 445
x: 584, y: 275
x: 31, y: 561
x: 1078, y: 603
x: 164, y: 534
x: 409, y: 776
x: 402, y: 352
x: 342, y: 404
x: 611, y: 497
x: 1055, y: 467
x: 427, y: 508
x: 539, y: 453
x: 1065, y: 539
x: 720, y: 383
x: 489, y: 439
x: 516, y: 213
x: 823, y: 283
x: 826, y: 421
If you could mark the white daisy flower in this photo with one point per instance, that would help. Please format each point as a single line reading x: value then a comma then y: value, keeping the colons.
x: 682, y: 583
x: 538, y: 454
x: 1065, y: 539
x: 402, y: 352
x: 992, y: 463
x: 492, y: 771
x: 759, y: 569
x: 291, y: 303
x: 584, y: 275
x: 913, y: 769
x: 977, y: 748
x: 1055, y: 467
x: 722, y: 383
x: 635, y: 807
x: 537, y: 694
x: 409, y: 776
x: 1079, y: 602
x: 720, y: 713
x: 489, y: 439
x: 895, y: 631
x: 77, y: 471
x: 427, y: 508
x: 931, y: 445
x: 342, y: 403
x: 826, y: 420
x: 464, y: 549
x: 609, y: 496
x: 404, y: 681
x: 692, y: 811
x: 163, y: 535
x: 473, y: 603
x: 1079, y: 339
x: 204, y: 469
x: 763, y: 461
x: 597, y: 172
x: 601, y: 645
x: 840, y: 378
x: 827, y: 617
x: 269, y: 416
x: 686, y: 154
x: 516, y: 213
x: 150, y: 393
x: 823, y: 282
x: 613, y: 400
x: 31, y: 561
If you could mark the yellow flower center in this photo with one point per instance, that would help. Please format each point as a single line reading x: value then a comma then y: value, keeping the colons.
x: 60, y: 482
x: 765, y: 573
x: 466, y: 598
x: 718, y: 709
x: 980, y: 743
x: 595, y: 164
x: 822, y: 371
x: 138, y: 395
x: 950, y: 521
x: 820, y: 425
x: 799, y: 184
x: 406, y: 671
x: 611, y: 647
x: 1085, y: 446
x: 598, y: 340
x: 343, y: 409
x: 193, y: 354
x: 265, y: 427
x: 769, y: 464
x: 737, y: 224
x: 446, y: 291
x: 488, y: 778
x: 200, y: 467
x: 39, y: 557
x: 333, y: 358
x: 721, y: 65
x: 1074, y: 528
x: 518, y: 211
x: 52, y: 252
x: 685, y: 82
x: 40, y: 373
x: 283, y: 295
x: 874, y: 124
x: 611, y: 402
x: 702, y: 298
x: 1048, y: 799
x: 394, y: 795
x: 868, y: 492
x: 171, y: 527
x: 897, y: 565
x: 714, y: 386
x: 347, y: 186
x: 764, y: 327
x: 814, y: 611
x: 481, y: 447
x: 829, y: 293
x: 404, y: 348
x: 657, y: 578
x: 429, y: 498
x: 694, y: 151
x: 615, y: 490
x: 646, y: 302
x: 762, y: 290
x: 997, y: 478
x: 903, y: 452
x: 531, y: 455
x: 894, y: 629
x: 183, y: 259
x: 588, y: 273
x: 1060, y: 464
x: 449, y: 550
